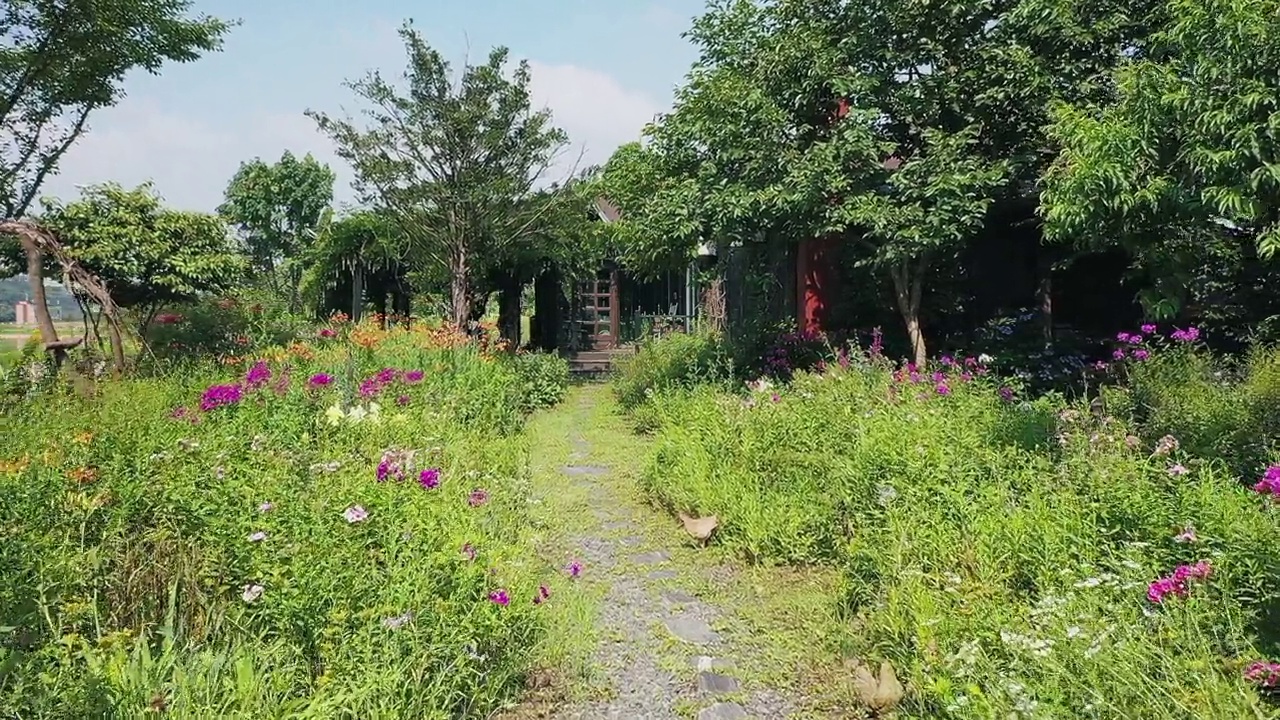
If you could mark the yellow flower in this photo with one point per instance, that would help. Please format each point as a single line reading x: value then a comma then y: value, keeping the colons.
x: 334, y: 414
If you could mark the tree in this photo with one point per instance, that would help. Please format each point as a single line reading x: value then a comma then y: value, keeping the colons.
x: 452, y: 164
x: 277, y: 209
x: 146, y: 255
x: 1188, y: 155
x: 59, y: 61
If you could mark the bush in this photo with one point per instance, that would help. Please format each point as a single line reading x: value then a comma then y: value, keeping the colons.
x: 544, y: 378
x: 677, y: 360
x: 998, y: 552
x: 259, y: 540
x: 221, y: 327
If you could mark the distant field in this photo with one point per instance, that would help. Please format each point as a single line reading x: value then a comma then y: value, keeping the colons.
x: 12, y: 335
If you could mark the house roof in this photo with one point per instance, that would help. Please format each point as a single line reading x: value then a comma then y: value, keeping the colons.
x: 608, y: 211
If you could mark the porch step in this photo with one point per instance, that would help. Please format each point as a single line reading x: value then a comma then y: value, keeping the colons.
x: 594, y: 362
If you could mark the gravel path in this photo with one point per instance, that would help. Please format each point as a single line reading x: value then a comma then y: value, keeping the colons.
x: 659, y: 647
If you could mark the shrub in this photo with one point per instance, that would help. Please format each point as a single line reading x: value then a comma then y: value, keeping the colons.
x: 677, y: 360
x: 224, y: 326
x: 544, y: 377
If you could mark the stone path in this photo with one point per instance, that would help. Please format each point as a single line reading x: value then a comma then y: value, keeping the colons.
x: 660, y: 652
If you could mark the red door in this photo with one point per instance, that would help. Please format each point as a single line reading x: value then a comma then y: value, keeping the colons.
x: 600, y: 311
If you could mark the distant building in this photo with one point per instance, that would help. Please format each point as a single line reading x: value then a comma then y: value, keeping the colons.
x: 24, y: 313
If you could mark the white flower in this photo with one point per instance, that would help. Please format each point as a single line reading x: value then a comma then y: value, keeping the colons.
x: 252, y: 592
x: 1074, y: 632
x: 985, y: 359
x: 258, y: 537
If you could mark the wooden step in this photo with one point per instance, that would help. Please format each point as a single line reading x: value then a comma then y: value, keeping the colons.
x: 594, y: 362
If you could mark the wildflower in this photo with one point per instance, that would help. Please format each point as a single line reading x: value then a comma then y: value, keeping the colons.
x: 937, y: 377
x: 397, y: 622
x: 1177, y: 470
x: 370, y: 387
x: 1135, y: 339
x: 1123, y: 336
x: 966, y: 376
x: 413, y: 376
x: 776, y: 398
x: 915, y: 377
x: 1100, y: 365
x: 478, y: 497
x: 258, y: 375
x: 327, y: 333
x: 266, y: 507
x: 334, y: 414
x: 574, y: 568
x: 179, y: 412
x: 1148, y: 328
x: 1188, y: 535
x: 402, y: 400
x: 468, y: 551
x: 1269, y: 484
x: 1176, y: 585
x: 320, y: 380
x: 1005, y: 393
x: 1189, y: 335
x: 1166, y: 445
x: 258, y: 537
x: 985, y: 359
x: 429, y: 478
x: 499, y: 597
x: 355, y: 514
x: 1264, y: 674
x: 942, y: 389
x: 1118, y: 354
x: 220, y: 395
x: 947, y: 361
x: 543, y: 594
x: 250, y: 593
x: 1141, y: 354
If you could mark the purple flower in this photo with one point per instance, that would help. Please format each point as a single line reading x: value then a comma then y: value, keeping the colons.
x: 947, y: 361
x: 413, y: 376
x: 1149, y: 328
x: 429, y: 478
x: 220, y: 395
x: 942, y: 389
x: 1177, y: 470
x: 320, y: 380
x: 402, y: 400
x: 355, y: 514
x: 499, y: 597
x: 544, y: 593
x: 478, y: 497
x: 1135, y: 339
x: 1123, y: 336
x: 938, y: 377
x: 1189, y: 335
x: 1118, y: 354
x: 258, y: 375
x: 387, y: 375
x: 469, y: 551
x: 574, y: 568
x: 370, y: 387
x: 1269, y: 484
x: 1141, y: 354
x: 1005, y: 393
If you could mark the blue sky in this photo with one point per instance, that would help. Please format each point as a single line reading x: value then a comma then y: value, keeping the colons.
x: 604, y: 69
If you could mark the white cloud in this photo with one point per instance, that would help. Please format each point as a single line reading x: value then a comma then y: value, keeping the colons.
x: 190, y: 155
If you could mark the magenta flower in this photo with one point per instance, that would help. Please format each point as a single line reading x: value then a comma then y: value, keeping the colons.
x: 937, y: 377
x: 1269, y: 484
x: 1264, y: 674
x: 320, y: 380
x: 1005, y: 393
x: 327, y: 332
x: 499, y: 597
x: 1189, y: 335
x: 429, y: 479
x: 387, y: 375
x: 478, y: 497
x: 914, y: 377
x: 355, y: 514
x: 1141, y: 354
x: 966, y: 376
x: 220, y: 395
x: 1118, y: 354
x: 942, y: 389
x: 258, y: 375
x: 776, y: 397
x: 1149, y: 328
x: 947, y: 361
x: 1135, y: 339
x: 1123, y: 336
x: 1177, y: 470
x: 402, y: 400
x: 1178, y: 584
x: 370, y: 387
x: 574, y: 569
x: 413, y: 376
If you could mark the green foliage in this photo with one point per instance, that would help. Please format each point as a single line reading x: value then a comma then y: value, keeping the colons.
x: 452, y: 163
x: 1188, y: 146
x: 677, y: 360
x: 146, y: 254
x: 544, y: 378
x: 131, y: 550
x: 217, y: 327
x: 279, y: 209
x: 997, y: 553
x: 62, y: 61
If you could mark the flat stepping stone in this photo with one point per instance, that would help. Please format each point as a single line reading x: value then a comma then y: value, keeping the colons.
x: 584, y: 470
x: 716, y: 684
x: 678, y: 597
x: 691, y: 629
x: 706, y: 663
x: 651, y: 557
x: 663, y: 574
x: 723, y: 711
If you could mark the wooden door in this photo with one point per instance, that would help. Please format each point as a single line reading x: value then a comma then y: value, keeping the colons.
x: 600, y: 321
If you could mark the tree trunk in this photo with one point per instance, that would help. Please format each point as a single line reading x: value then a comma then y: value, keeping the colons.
x: 459, y: 266
x: 906, y: 289
x: 35, y: 275
x: 509, y: 308
x: 357, y: 292
x: 1045, y: 292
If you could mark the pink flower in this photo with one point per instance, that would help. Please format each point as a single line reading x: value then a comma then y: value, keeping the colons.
x: 1148, y: 328
x: 355, y: 514
x: 1188, y: 535
x: 1118, y: 354
x: 266, y: 507
x: 499, y: 597
x: 942, y: 389
x: 1141, y: 354
x: 478, y: 497
x: 327, y: 332
x: 1177, y: 470
x: 1270, y: 482
x: 1123, y: 336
